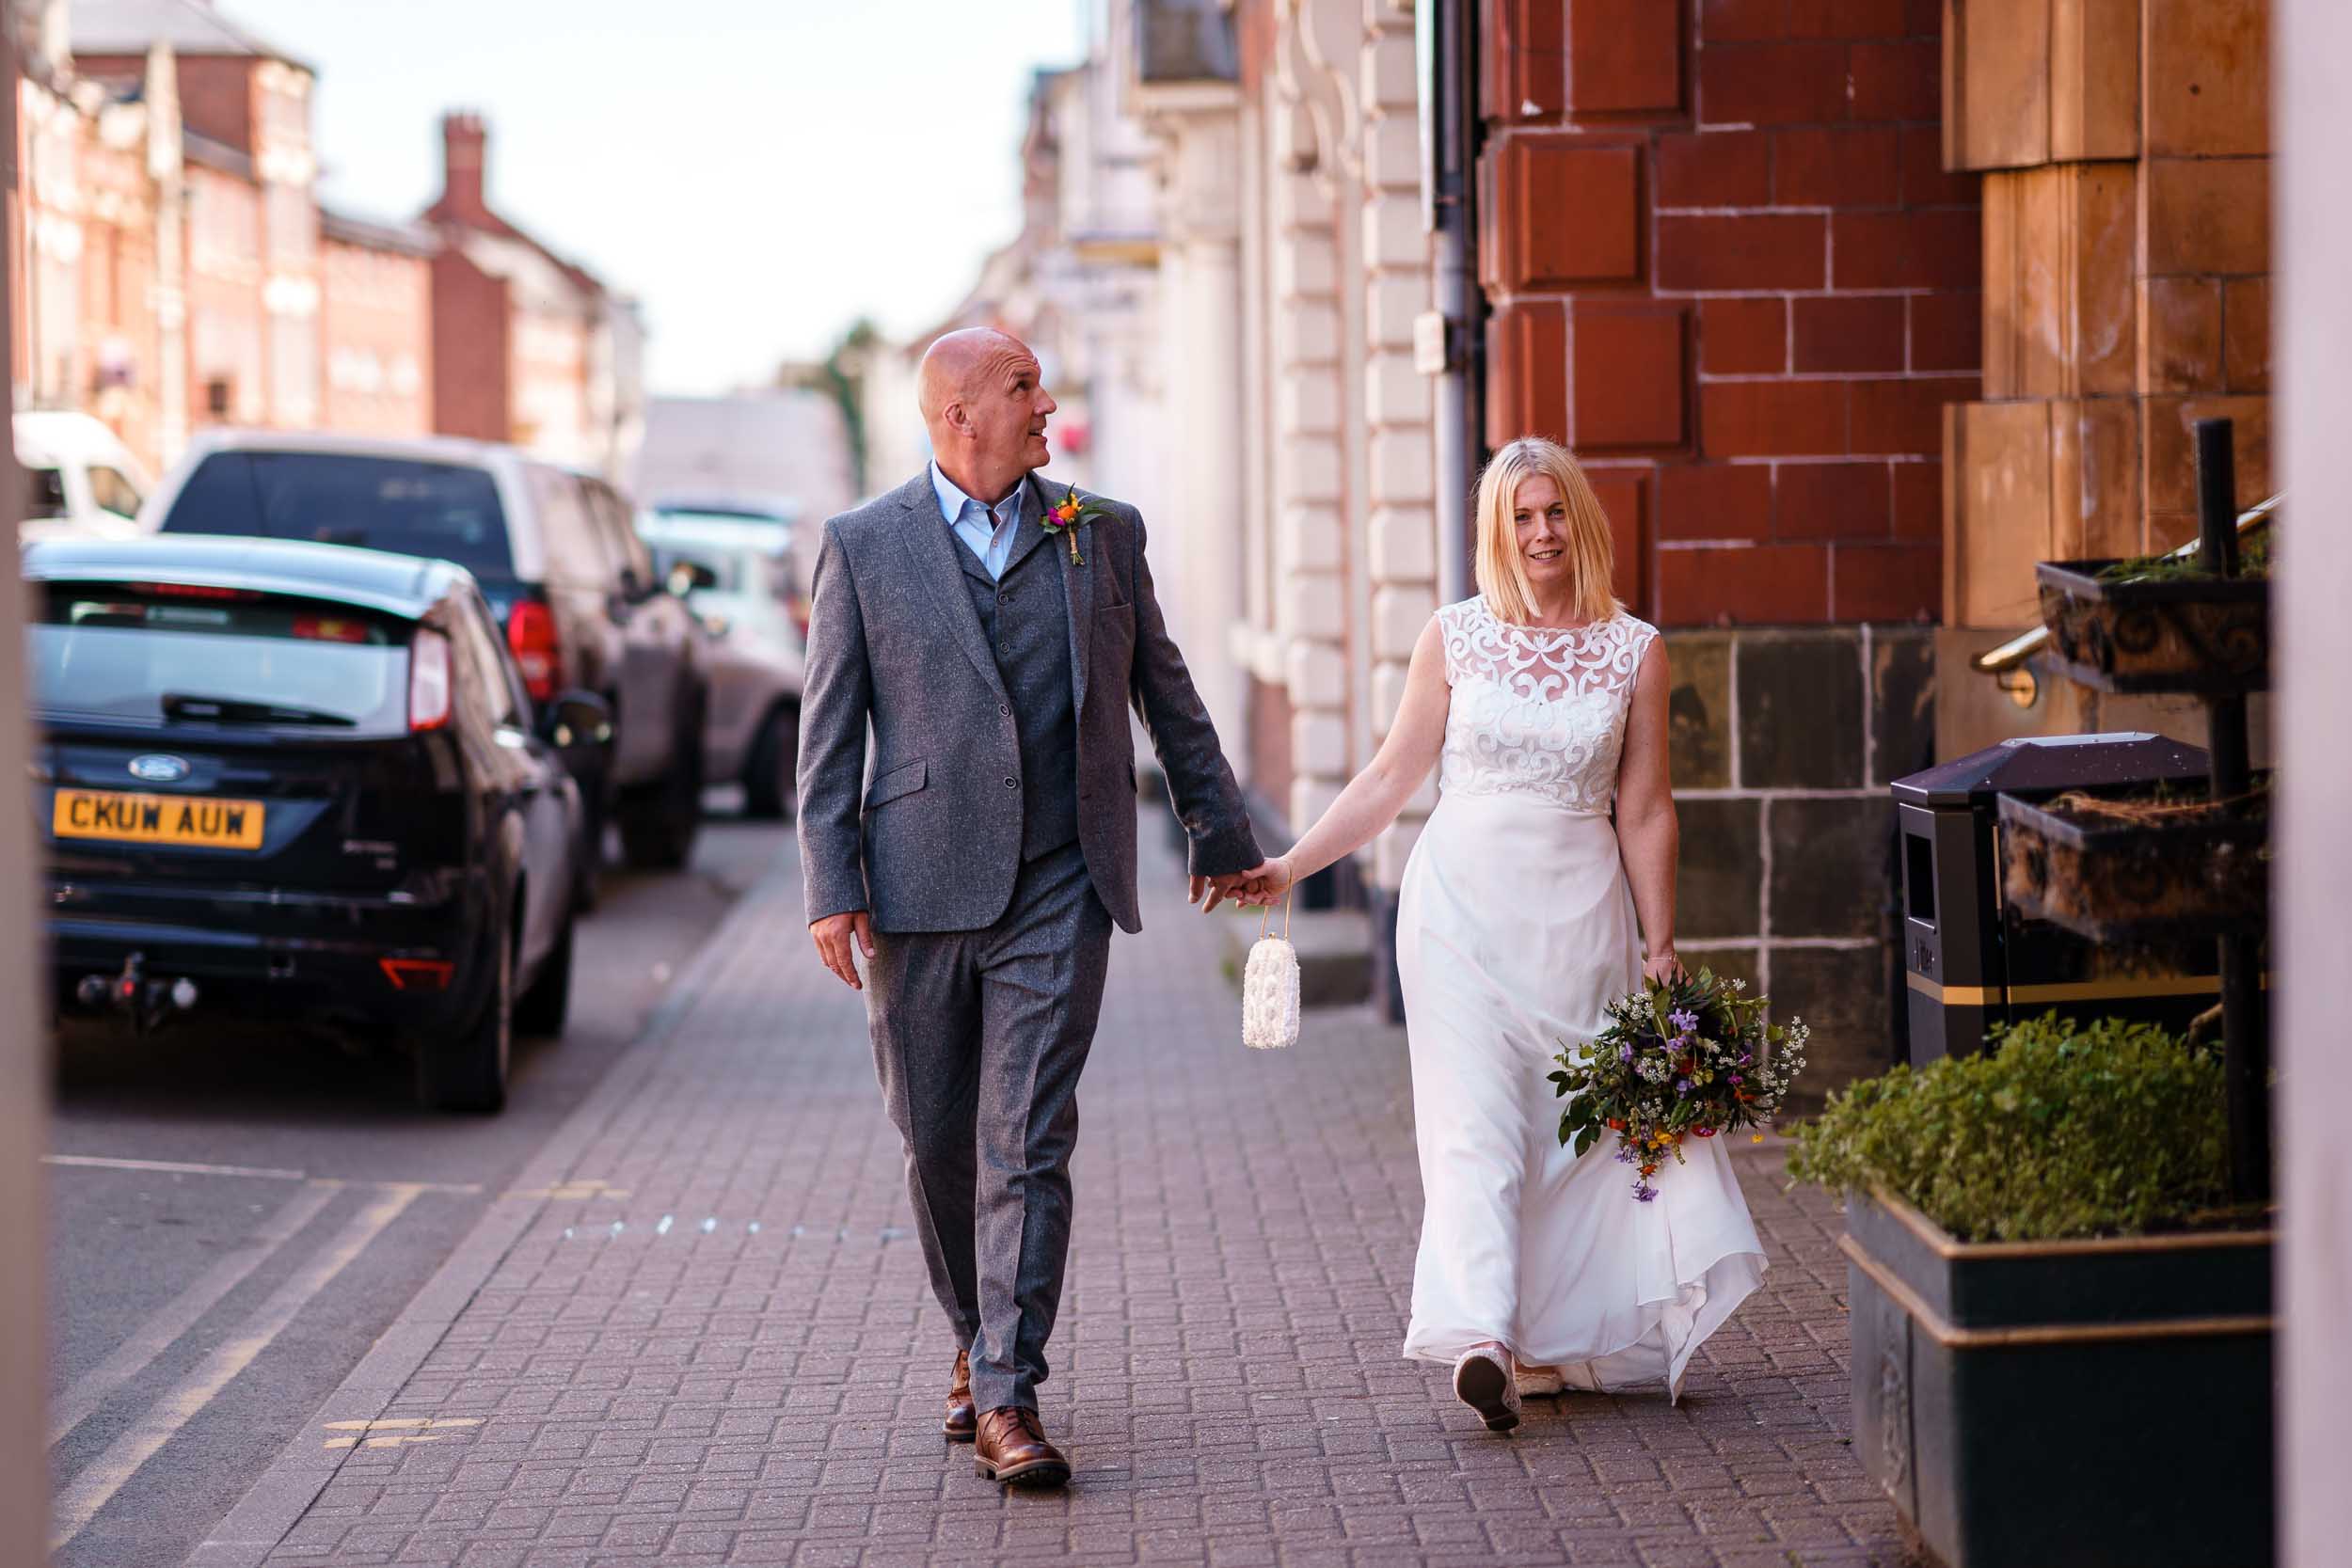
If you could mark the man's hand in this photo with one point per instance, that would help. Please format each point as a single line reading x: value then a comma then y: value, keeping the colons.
x: 833, y: 935
x: 1261, y: 884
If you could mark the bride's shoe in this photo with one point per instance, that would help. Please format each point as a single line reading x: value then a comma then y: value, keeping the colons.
x: 1539, y: 1382
x: 1482, y: 1380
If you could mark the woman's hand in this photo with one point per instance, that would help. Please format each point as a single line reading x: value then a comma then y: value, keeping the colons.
x: 1661, y: 965
x: 1270, y: 881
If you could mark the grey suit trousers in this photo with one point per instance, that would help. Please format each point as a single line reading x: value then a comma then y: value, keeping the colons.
x: 979, y: 1040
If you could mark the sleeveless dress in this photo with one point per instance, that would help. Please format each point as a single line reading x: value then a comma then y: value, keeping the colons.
x: 1514, y: 928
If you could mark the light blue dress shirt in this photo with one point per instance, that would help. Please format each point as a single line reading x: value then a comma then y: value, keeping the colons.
x: 986, y: 531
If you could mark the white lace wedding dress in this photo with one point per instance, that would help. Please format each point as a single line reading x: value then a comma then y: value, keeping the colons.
x: 1514, y: 928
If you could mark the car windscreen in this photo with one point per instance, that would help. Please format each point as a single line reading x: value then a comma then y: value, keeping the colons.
x: 167, y: 654
x: 400, y: 504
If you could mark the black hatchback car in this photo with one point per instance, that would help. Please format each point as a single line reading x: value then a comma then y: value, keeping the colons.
x: 300, y: 779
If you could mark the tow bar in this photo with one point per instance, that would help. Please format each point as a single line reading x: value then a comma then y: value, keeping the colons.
x: 148, y: 1004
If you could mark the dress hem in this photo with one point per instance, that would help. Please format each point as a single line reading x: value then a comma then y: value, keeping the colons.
x: 1419, y: 1345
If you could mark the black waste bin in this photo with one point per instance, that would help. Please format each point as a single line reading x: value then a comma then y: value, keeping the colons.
x: 1971, y: 962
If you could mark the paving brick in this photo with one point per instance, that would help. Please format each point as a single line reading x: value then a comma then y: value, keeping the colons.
x: 756, y: 1381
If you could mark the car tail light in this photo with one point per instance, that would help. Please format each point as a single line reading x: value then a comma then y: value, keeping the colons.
x: 428, y: 681
x: 531, y: 633
x: 416, y: 973
x: 797, y: 604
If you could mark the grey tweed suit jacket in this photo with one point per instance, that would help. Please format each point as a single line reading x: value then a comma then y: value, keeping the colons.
x: 929, y: 839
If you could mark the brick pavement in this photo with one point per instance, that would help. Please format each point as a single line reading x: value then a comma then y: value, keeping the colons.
x: 714, y: 1344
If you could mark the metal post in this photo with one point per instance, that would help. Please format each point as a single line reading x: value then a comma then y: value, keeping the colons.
x: 2245, y: 1034
x: 23, y: 1044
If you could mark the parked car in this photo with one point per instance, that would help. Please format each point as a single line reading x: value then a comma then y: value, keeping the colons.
x: 572, y: 586
x: 80, y: 480
x: 757, y: 619
x: 290, y: 779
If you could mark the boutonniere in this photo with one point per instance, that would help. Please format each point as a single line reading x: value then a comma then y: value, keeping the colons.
x: 1068, y: 517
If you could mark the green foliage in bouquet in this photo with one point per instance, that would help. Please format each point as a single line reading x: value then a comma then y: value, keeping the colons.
x: 1689, y: 1057
x: 2057, y: 1131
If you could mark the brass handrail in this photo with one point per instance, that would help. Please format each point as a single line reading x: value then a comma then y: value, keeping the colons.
x: 2010, y: 654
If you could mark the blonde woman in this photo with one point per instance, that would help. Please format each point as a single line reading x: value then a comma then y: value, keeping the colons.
x: 1524, y: 910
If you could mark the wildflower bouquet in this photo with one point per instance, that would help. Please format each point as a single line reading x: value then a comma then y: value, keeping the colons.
x: 1683, y: 1058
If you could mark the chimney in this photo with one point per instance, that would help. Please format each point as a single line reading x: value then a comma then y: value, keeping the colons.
x: 464, y: 153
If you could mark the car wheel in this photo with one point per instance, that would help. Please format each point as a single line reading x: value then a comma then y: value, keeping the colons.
x: 769, y: 772
x: 467, y: 1071
x: 546, y: 1007
x: 659, y: 823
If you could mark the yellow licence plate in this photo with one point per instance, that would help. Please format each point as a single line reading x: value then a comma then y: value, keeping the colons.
x: 133, y: 819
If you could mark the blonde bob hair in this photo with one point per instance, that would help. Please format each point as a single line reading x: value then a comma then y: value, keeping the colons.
x: 1502, y: 571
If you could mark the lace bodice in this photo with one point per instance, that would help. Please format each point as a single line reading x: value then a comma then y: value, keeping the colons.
x: 1536, y: 711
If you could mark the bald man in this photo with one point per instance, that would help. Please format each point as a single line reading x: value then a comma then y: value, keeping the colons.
x: 978, y: 864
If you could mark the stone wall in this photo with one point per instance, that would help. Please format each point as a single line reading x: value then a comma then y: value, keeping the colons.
x: 1784, y: 742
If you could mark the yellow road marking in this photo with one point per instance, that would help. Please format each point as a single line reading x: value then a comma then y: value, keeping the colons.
x: 577, y: 1188
x: 159, y: 1333
x: 103, y: 1477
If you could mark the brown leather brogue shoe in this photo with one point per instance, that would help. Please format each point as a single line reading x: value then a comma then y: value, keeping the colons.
x: 963, y: 1420
x: 1011, y: 1448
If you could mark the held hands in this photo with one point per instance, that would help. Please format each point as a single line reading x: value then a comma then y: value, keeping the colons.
x: 1261, y: 884
x: 832, y: 936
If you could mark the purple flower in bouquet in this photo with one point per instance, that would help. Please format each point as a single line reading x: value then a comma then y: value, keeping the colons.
x: 1642, y: 1190
x: 1683, y: 1086
x: 1625, y: 1053
x: 1737, y: 1079
x: 1683, y: 1020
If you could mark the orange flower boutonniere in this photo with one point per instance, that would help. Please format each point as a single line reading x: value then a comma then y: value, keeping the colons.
x: 1067, y: 517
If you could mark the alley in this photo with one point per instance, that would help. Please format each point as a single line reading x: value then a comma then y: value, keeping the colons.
x: 698, y: 1331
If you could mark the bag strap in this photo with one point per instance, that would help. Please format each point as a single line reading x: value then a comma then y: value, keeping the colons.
x: 1265, y: 924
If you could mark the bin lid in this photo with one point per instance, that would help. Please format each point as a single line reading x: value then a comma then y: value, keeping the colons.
x: 2048, y: 764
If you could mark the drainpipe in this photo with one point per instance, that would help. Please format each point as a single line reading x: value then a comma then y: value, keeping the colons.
x: 1451, y: 343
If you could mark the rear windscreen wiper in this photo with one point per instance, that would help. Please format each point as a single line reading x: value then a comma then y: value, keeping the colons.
x: 239, y: 710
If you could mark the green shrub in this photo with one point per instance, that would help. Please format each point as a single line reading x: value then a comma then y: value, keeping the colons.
x: 2056, y: 1131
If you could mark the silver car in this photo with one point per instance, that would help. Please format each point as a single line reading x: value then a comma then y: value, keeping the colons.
x: 750, y: 602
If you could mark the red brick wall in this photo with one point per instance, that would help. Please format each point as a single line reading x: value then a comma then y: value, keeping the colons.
x: 1726, y: 266
x: 215, y: 90
x: 375, y: 328
x: 472, y: 331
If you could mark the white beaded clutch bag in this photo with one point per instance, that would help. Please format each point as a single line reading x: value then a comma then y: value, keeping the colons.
x: 1269, y: 988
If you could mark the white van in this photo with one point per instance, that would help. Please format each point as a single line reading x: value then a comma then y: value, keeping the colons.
x: 80, y: 480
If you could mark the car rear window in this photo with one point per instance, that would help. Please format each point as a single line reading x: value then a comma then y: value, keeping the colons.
x: 442, y: 510
x: 166, y: 654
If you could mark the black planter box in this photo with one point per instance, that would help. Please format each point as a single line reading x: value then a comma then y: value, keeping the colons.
x: 2209, y: 636
x: 2099, y: 1405
x: 2193, y: 874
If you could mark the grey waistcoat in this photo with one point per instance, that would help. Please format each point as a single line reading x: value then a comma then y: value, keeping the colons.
x: 1026, y: 621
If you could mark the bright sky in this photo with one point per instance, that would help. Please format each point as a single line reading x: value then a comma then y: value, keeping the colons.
x: 759, y: 172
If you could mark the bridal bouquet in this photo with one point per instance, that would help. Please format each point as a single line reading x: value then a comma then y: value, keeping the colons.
x: 1686, y: 1059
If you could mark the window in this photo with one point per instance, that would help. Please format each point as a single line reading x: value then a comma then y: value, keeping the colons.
x: 110, y: 490
x: 575, y: 553
x: 124, y: 652
x: 44, y: 494
x: 492, y: 667
x: 441, y: 510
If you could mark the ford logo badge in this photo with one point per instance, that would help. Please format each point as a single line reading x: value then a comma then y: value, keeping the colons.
x: 158, y: 769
